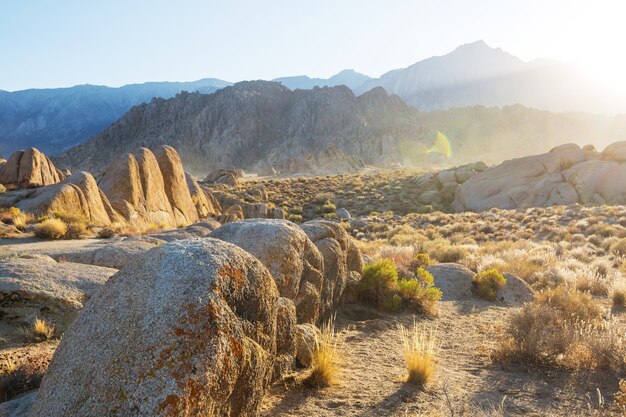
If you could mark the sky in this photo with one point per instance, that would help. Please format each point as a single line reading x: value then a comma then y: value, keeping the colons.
x: 59, y: 43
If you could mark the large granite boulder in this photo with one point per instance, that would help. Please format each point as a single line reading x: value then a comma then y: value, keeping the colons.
x: 28, y: 169
x: 553, y: 178
x: 38, y: 286
x: 77, y: 195
x: 205, y: 203
x: 294, y: 261
x: 187, y: 330
x: 176, y: 188
x: 341, y: 257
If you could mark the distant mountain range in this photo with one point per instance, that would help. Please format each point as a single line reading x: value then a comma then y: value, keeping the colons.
x: 264, y: 127
x: 54, y: 120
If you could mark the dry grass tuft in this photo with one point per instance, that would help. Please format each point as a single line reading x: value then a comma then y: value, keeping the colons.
x: 419, y: 348
x: 39, y: 331
x: 325, y: 358
x: 51, y: 229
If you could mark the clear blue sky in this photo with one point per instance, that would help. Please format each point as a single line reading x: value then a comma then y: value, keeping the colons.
x: 52, y: 43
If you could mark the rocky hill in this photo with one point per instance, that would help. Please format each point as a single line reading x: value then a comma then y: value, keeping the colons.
x: 264, y: 127
x: 56, y: 119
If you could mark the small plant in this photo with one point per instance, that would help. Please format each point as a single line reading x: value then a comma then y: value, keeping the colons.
x: 106, y: 233
x: 487, y: 283
x: 75, y: 230
x: 422, y: 260
x: 379, y: 278
x: 51, y: 229
x: 329, y: 207
x: 419, y: 348
x: 618, y: 295
x: 325, y: 358
x: 39, y: 331
x: 3, y: 189
x: 393, y: 303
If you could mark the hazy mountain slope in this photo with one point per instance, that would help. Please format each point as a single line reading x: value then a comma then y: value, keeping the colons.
x: 259, y: 125
x: 56, y: 119
x: 475, y: 74
x: 349, y: 78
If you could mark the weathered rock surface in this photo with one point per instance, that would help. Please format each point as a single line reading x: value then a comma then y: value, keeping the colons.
x: 134, y: 189
x: 291, y: 257
x: 306, y: 334
x: 145, y: 188
x: 28, y: 169
x: 454, y: 281
x: 341, y: 257
x: 77, y: 195
x: 285, y: 338
x: 38, y: 286
x: 176, y: 187
x: 223, y: 176
x: 18, y: 407
x: 565, y: 175
x: 205, y: 203
x: 187, y: 330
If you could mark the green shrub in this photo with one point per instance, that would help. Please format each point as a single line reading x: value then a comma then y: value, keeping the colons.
x: 421, y: 260
x: 393, y: 303
x: 296, y: 218
x: 379, y: 278
x: 330, y: 216
x: 329, y: 207
x: 487, y: 283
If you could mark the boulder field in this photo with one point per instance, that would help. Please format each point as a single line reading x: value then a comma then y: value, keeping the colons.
x: 567, y: 174
x: 201, y: 326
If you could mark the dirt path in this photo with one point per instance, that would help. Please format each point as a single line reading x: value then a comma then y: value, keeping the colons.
x: 370, y: 381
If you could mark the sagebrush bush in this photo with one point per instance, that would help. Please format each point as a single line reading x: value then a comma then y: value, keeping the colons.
x: 50, y: 229
x: 380, y: 285
x: 487, y: 283
x: 421, y: 260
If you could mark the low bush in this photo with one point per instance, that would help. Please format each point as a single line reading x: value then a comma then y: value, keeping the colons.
x: 380, y: 286
x: 51, y: 229
x: 106, y: 233
x: 487, y: 283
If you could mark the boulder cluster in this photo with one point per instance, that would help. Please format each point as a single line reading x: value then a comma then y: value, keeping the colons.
x: 567, y: 174
x: 28, y: 169
x: 201, y: 326
x: 141, y: 188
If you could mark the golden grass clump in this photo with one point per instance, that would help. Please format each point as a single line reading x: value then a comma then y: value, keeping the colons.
x: 419, y: 349
x: 618, y: 295
x: 51, y: 229
x: 39, y: 331
x: 325, y: 358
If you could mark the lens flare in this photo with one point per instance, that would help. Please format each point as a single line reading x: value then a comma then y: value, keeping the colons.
x: 441, y: 146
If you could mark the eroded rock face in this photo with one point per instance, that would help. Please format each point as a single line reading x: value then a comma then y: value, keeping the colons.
x: 176, y: 188
x: 187, y: 330
x: 205, y: 203
x: 293, y: 260
x: 224, y: 176
x: 29, y: 169
x: 38, y: 286
x: 565, y: 175
x: 145, y: 188
x: 341, y: 257
x: 77, y: 195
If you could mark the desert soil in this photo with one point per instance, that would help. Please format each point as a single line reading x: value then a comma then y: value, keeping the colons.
x: 467, y: 381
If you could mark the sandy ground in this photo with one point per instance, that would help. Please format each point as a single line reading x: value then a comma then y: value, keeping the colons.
x: 371, y: 377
